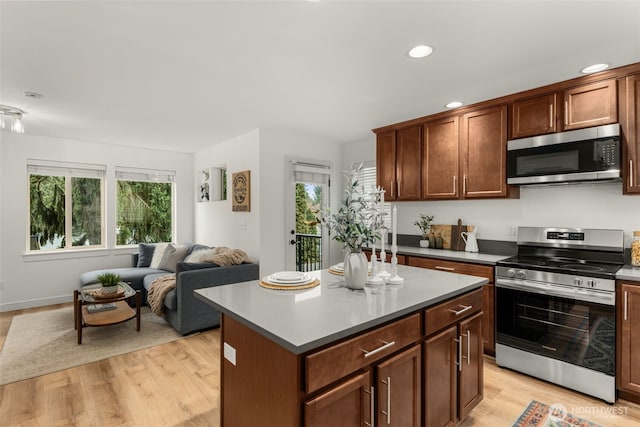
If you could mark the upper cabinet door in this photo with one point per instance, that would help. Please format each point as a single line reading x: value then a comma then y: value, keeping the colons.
x: 590, y: 105
x: 534, y: 116
x: 483, y: 146
x: 440, y: 152
x: 630, y: 124
x: 408, y: 162
x: 386, y: 163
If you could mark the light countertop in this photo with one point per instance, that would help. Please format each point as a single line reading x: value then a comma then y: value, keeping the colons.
x: 446, y: 254
x: 628, y: 272
x: 303, y: 320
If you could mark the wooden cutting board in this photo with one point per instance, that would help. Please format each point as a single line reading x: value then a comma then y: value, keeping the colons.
x: 451, y: 238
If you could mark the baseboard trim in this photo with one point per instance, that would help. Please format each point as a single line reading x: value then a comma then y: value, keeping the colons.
x: 39, y: 302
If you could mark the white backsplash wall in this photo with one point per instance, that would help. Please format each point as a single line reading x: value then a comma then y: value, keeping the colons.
x: 583, y: 205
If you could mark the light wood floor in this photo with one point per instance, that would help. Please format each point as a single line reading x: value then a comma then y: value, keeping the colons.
x: 177, y: 384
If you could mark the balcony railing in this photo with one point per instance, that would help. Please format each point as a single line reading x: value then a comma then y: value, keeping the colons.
x: 308, y: 252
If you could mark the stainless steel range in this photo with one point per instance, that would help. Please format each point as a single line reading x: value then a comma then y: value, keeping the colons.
x: 555, y: 307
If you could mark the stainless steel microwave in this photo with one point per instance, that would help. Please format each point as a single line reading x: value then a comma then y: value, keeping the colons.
x: 591, y: 154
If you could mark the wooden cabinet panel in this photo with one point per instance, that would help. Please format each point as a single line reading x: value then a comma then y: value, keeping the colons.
x: 440, y: 153
x: 348, y: 404
x: 590, y: 105
x: 398, y: 389
x: 453, y: 266
x: 488, y: 318
x: 449, y: 312
x: 408, y: 163
x: 440, y: 390
x: 401, y: 258
x: 483, y: 147
x: 470, y: 378
x: 358, y: 352
x: 630, y: 128
x: 628, y: 310
x: 386, y: 163
x: 534, y: 116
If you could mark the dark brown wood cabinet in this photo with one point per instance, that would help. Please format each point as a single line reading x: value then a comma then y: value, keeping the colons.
x: 348, y: 404
x: 440, y: 159
x: 630, y: 128
x: 589, y: 105
x: 398, y: 163
x: 488, y: 291
x: 401, y: 258
x: 483, y: 153
x: 399, y: 390
x: 533, y: 116
x: 628, y: 340
x: 453, y: 357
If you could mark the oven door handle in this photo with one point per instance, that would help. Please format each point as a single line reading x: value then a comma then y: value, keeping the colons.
x: 606, y: 298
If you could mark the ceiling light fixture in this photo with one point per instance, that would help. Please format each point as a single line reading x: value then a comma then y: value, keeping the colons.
x: 454, y: 104
x: 594, y: 68
x: 420, y: 51
x: 13, y: 115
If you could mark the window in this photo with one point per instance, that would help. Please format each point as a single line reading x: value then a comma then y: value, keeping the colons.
x: 66, y: 205
x: 145, y: 206
x: 367, y: 180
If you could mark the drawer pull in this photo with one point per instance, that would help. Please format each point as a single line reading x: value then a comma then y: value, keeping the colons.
x: 379, y: 349
x: 439, y: 267
x: 459, y: 312
x: 388, y: 411
x: 459, y: 362
x: 371, y: 393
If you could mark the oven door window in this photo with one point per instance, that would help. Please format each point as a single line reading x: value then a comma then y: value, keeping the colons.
x: 577, y: 332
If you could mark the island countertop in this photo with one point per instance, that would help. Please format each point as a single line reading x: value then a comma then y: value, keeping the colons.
x: 304, y: 320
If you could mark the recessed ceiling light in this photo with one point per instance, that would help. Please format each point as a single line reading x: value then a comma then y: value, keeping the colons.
x: 594, y: 68
x: 454, y: 104
x: 420, y: 51
x: 35, y: 95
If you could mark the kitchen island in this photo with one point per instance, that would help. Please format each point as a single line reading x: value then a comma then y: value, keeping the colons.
x: 328, y: 355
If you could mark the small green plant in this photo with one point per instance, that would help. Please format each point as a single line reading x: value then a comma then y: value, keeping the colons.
x: 423, y: 223
x: 109, y: 279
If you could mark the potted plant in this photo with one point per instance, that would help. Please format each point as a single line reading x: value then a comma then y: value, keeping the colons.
x: 424, y: 223
x: 356, y: 223
x: 109, y: 282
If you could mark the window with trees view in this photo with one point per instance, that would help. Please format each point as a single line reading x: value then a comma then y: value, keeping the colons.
x: 145, y: 206
x: 65, y: 205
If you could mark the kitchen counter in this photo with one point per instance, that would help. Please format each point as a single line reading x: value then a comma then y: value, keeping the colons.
x: 304, y: 320
x: 462, y: 256
x: 628, y: 272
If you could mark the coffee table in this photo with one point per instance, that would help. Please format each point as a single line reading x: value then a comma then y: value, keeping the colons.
x: 122, y: 313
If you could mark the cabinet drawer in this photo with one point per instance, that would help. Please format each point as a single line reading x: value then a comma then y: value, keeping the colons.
x: 449, y: 312
x: 453, y: 267
x: 331, y: 364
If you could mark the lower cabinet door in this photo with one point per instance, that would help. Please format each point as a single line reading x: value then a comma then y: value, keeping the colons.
x: 470, y: 379
x: 347, y: 404
x: 439, y: 377
x: 398, y: 389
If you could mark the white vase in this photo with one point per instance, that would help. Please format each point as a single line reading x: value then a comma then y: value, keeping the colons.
x: 424, y: 243
x: 356, y: 270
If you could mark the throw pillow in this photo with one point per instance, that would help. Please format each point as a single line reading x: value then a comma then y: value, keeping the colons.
x: 196, y: 256
x: 172, y: 256
x: 145, y: 254
x: 202, y: 255
x: 158, y: 253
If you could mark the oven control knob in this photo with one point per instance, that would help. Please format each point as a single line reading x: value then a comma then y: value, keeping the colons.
x: 521, y: 274
x: 577, y: 281
x: 592, y: 283
x: 511, y: 272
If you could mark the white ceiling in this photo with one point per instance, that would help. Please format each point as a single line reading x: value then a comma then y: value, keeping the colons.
x: 185, y: 75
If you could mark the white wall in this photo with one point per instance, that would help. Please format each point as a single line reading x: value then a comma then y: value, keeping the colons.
x: 585, y: 205
x: 34, y: 280
x: 215, y: 223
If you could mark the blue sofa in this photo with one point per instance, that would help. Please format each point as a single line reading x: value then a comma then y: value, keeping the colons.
x: 182, y: 309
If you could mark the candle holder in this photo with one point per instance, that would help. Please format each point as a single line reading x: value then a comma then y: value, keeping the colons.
x: 394, y: 279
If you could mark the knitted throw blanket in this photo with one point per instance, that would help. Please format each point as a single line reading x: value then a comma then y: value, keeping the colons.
x: 225, y: 256
x: 159, y: 288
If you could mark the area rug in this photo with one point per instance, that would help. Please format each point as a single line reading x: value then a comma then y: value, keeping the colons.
x: 44, y: 342
x: 538, y: 414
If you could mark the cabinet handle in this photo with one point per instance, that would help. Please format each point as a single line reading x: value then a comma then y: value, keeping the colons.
x: 388, y: 411
x: 399, y: 189
x: 438, y: 267
x: 464, y: 184
x: 459, y: 312
x: 630, y: 173
x: 566, y: 112
x: 392, y: 187
x: 468, y: 348
x: 379, y: 349
x: 454, y: 184
x: 372, y: 412
x: 550, y: 116
x: 626, y: 303
x: 459, y: 362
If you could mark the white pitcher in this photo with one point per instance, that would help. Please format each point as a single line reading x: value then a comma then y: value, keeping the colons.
x: 470, y: 240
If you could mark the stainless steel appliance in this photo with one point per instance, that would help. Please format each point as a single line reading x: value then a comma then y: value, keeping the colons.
x: 555, y: 307
x: 591, y: 154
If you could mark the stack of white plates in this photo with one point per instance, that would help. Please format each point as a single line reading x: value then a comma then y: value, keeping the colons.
x: 289, y: 278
